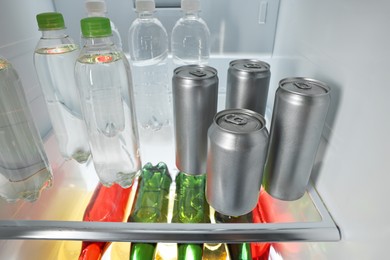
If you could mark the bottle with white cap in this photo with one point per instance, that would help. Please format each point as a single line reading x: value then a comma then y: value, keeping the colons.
x: 190, y: 43
x: 148, y: 47
x: 98, y: 8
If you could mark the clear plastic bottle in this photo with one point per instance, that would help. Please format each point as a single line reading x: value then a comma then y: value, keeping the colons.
x: 148, y: 47
x: 24, y: 168
x: 190, y: 40
x: 104, y: 80
x: 98, y: 8
x: 54, y: 59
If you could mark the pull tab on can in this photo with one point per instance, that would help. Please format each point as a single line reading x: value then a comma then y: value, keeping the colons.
x: 253, y: 66
x: 235, y: 119
x: 302, y: 85
x: 198, y: 73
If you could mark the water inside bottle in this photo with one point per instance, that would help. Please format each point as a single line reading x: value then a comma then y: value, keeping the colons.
x: 55, y: 69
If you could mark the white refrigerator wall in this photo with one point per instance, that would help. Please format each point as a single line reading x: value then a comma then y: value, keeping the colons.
x: 18, y: 37
x: 346, y: 44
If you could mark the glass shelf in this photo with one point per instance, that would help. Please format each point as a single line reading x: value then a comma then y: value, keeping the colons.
x: 57, y: 215
x: 324, y: 230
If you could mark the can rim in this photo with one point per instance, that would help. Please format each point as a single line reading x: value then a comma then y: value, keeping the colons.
x: 234, y: 62
x: 315, y: 81
x: 184, y: 67
x: 244, y: 111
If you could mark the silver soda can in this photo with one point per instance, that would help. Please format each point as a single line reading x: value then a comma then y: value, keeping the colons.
x: 248, y: 84
x: 237, y: 148
x: 195, y: 96
x: 299, y: 113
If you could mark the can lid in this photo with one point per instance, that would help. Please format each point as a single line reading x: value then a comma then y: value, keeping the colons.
x: 250, y: 66
x: 304, y: 86
x: 195, y: 72
x: 240, y: 120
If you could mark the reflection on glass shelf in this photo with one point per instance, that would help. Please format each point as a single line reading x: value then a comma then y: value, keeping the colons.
x: 278, y: 211
x: 69, y: 196
x: 74, y: 183
x: 65, y: 200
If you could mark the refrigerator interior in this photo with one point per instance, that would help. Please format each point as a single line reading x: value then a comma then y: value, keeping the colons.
x: 343, y: 43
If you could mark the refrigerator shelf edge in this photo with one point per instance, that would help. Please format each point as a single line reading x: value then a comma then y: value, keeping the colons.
x: 324, y: 230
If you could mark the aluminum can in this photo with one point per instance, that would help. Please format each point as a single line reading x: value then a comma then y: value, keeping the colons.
x: 195, y: 96
x: 298, y: 118
x: 237, y: 147
x: 248, y: 84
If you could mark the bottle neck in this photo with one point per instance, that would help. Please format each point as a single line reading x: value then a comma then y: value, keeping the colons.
x: 96, y: 14
x: 145, y: 15
x: 54, y: 34
x: 191, y: 14
x: 99, y: 41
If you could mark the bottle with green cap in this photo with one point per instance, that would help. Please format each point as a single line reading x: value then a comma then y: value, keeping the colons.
x: 54, y: 59
x: 99, y: 8
x: 104, y: 80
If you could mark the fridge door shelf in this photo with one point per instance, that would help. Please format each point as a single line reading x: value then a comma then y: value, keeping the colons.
x: 324, y: 230
x: 57, y: 215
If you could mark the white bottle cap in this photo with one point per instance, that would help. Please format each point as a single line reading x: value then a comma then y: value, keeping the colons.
x: 145, y: 5
x: 190, y: 5
x: 96, y: 6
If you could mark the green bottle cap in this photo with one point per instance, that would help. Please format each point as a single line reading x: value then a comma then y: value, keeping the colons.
x: 92, y: 27
x: 50, y: 21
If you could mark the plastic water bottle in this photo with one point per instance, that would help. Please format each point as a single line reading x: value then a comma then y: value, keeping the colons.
x: 98, y: 8
x: 104, y: 80
x: 24, y: 168
x: 54, y: 59
x: 190, y: 42
x: 148, y: 47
